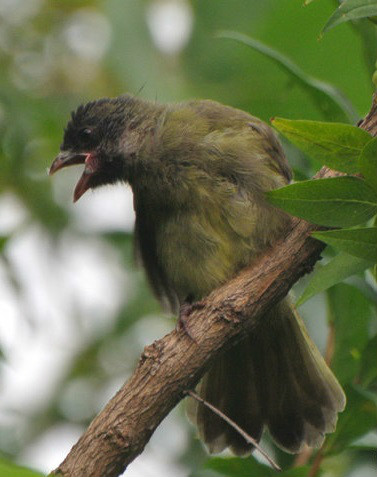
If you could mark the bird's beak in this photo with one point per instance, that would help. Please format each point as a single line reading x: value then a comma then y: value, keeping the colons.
x: 83, y: 184
x: 68, y: 158
x: 65, y: 159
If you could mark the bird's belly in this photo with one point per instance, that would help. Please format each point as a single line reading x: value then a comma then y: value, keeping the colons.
x: 197, y: 255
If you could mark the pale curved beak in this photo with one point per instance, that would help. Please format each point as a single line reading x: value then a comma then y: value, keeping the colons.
x: 66, y: 159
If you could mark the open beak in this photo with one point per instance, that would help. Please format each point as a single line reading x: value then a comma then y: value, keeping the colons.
x: 68, y: 158
x: 65, y: 159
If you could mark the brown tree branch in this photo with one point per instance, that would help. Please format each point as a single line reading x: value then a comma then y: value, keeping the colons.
x: 174, y: 364
x: 369, y: 123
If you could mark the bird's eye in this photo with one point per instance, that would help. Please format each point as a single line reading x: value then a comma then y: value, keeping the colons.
x: 86, y: 133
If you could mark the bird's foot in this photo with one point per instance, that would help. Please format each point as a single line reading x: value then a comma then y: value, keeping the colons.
x: 184, y: 312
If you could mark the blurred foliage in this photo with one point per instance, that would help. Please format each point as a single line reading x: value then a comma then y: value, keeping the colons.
x: 57, y: 54
x: 9, y: 469
x: 328, y: 100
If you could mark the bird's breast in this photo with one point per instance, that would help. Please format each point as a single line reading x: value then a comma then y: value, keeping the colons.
x: 198, y: 253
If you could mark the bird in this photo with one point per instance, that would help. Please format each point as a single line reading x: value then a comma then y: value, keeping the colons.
x: 199, y: 172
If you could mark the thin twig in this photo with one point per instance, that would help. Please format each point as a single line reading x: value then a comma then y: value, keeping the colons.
x: 330, y: 344
x: 235, y: 426
x: 303, y: 457
x: 313, y: 471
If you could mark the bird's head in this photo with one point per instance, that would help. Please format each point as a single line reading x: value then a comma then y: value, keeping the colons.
x: 105, y: 137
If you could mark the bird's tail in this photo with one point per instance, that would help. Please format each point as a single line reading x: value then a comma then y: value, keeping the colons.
x: 275, y: 378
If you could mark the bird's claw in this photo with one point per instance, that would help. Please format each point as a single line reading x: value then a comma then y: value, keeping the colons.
x: 184, y: 312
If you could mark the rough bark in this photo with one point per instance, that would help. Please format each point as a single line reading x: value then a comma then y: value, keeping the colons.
x: 369, y: 123
x: 175, y: 363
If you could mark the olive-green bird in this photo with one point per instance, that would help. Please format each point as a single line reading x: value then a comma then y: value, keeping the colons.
x: 199, y: 171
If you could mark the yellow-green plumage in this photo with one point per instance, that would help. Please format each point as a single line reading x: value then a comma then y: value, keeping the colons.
x: 199, y: 172
x: 205, y: 200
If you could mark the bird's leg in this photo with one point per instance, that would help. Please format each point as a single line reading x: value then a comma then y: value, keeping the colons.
x: 185, y: 310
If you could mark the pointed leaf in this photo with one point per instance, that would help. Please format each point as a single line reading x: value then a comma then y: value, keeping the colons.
x: 351, y: 10
x: 361, y: 242
x: 338, y: 269
x: 368, y: 163
x: 334, y: 144
x: 331, y: 102
x: 333, y: 202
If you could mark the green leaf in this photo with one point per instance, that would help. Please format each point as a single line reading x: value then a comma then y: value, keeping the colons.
x: 368, y: 368
x: 357, y: 419
x: 361, y: 242
x: 9, y: 469
x: 338, y: 269
x: 368, y: 163
x: 333, y: 202
x: 351, y: 10
x: 351, y: 336
x: 334, y: 144
x: 329, y: 99
x: 241, y: 467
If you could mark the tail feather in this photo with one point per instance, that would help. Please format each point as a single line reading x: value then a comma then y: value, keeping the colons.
x: 224, y: 387
x: 275, y: 378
